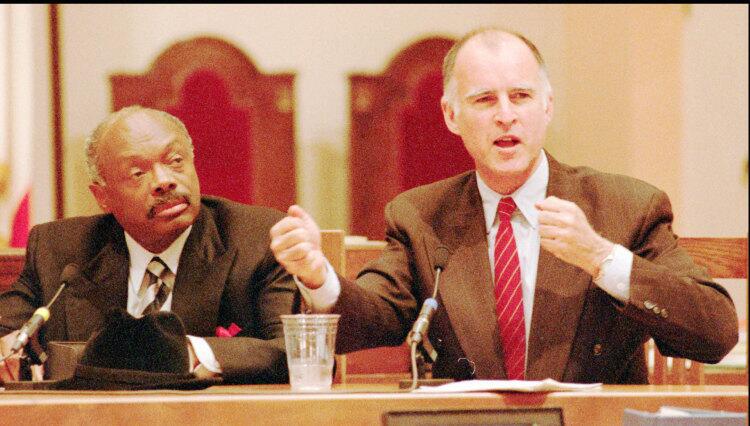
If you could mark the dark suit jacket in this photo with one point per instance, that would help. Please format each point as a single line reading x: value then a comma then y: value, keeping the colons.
x: 226, y: 274
x: 578, y: 332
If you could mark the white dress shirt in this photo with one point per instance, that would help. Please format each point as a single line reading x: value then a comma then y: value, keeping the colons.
x: 614, y: 276
x: 139, y: 260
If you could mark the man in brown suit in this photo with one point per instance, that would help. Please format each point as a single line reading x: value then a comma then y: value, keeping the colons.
x: 216, y: 251
x: 595, y: 272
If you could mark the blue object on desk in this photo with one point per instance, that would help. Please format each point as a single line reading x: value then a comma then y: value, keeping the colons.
x: 674, y: 416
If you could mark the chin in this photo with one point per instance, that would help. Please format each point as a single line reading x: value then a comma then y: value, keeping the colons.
x: 514, y: 167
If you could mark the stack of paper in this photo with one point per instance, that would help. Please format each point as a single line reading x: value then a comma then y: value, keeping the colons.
x: 546, y: 385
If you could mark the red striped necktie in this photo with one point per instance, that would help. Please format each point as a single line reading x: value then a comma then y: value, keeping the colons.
x: 508, y: 294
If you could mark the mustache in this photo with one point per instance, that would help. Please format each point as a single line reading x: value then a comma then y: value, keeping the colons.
x: 168, y: 198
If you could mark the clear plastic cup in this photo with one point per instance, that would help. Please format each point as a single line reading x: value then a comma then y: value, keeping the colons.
x: 310, y: 345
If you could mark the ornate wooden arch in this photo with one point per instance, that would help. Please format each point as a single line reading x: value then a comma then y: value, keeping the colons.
x: 396, y: 121
x: 266, y: 99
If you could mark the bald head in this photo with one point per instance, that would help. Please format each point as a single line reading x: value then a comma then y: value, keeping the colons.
x: 493, y: 39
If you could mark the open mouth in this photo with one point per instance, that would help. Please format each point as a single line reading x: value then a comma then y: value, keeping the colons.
x: 507, y: 141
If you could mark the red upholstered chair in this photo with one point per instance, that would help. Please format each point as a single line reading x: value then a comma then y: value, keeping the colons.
x: 427, y: 150
x: 398, y: 137
x: 241, y: 120
x: 220, y: 133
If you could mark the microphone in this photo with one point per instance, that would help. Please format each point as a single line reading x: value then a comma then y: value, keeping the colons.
x: 41, y: 315
x: 418, y: 337
x: 429, y: 306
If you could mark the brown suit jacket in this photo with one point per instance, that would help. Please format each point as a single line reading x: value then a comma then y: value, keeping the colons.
x: 227, y: 274
x: 578, y: 332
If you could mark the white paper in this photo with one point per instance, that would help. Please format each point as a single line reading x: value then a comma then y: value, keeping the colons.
x: 546, y: 385
x: 672, y: 412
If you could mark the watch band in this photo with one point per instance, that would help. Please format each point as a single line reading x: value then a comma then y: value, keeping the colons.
x: 600, y: 269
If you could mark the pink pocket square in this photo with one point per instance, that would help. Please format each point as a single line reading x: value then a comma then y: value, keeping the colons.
x: 230, y: 332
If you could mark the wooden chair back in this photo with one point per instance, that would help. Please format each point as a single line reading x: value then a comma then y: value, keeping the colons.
x: 722, y: 258
x: 348, y: 255
x: 11, y: 263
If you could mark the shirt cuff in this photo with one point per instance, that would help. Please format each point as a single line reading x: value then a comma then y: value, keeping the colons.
x: 204, y: 354
x: 614, y: 275
x: 321, y: 299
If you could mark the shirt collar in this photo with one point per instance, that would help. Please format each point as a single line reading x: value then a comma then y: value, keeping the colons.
x: 140, y: 257
x: 531, y: 192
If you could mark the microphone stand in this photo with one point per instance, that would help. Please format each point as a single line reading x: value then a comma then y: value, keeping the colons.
x: 421, y: 348
x: 33, y: 353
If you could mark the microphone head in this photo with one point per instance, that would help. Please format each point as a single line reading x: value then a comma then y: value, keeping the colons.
x: 69, y: 272
x: 42, y: 312
x: 441, y: 257
x: 431, y: 303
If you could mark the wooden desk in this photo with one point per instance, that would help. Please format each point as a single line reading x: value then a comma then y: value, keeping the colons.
x: 353, y: 404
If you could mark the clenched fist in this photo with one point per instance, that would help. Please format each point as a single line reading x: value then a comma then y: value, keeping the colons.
x: 295, y: 242
x: 566, y: 233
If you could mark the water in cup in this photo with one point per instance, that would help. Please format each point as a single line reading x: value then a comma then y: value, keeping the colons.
x: 310, y: 345
x: 311, y: 377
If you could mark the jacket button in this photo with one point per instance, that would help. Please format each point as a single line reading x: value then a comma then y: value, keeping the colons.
x: 656, y: 310
x: 649, y: 304
x: 664, y: 313
x: 597, y: 349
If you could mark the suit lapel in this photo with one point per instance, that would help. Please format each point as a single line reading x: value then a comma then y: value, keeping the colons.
x: 201, y: 276
x: 558, y: 298
x: 101, y: 286
x: 466, y: 289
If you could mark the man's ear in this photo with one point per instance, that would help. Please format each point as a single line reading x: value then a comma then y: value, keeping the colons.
x: 449, y: 115
x: 100, y: 194
x: 550, y: 109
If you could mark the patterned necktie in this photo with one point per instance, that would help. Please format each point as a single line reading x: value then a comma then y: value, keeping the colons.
x: 508, y: 294
x: 161, y: 278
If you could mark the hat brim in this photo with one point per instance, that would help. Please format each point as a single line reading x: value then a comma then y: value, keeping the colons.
x: 97, y: 378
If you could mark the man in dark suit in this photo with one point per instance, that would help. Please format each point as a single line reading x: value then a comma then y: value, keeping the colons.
x: 217, y: 268
x: 553, y: 271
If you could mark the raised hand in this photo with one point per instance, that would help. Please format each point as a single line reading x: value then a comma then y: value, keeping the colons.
x: 566, y: 233
x: 295, y: 242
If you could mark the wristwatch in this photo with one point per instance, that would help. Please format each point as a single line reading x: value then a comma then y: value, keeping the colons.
x: 600, y: 270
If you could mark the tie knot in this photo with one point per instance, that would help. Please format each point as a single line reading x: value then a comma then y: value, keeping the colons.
x: 157, y: 267
x: 505, y: 208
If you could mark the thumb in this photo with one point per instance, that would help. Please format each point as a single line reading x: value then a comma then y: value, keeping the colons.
x: 300, y: 213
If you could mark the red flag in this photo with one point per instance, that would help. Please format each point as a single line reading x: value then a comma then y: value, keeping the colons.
x: 20, y: 227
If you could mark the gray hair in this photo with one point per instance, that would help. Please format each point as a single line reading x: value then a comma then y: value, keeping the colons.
x: 489, y: 36
x: 94, y: 140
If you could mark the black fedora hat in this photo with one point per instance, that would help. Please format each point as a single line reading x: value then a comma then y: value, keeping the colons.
x: 130, y: 353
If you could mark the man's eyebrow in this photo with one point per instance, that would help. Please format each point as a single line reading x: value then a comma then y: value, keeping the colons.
x: 479, y: 93
x: 523, y: 89
x: 172, y: 146
x: 131, y: 155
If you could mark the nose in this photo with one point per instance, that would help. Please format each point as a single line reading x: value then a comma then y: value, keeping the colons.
x: 164, y: 181
x: 505, y: 114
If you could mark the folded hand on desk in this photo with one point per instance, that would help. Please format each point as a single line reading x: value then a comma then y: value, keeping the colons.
x: 200, y: 371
